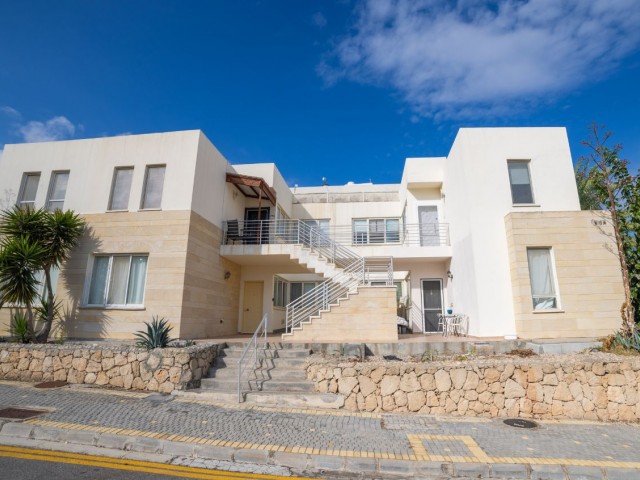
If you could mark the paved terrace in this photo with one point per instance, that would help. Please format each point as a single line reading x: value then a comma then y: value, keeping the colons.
x: 371, y: 445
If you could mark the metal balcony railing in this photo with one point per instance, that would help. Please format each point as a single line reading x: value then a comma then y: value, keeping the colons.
x: 297, y: 231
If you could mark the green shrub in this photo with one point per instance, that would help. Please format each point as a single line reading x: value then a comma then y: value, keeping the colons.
x: 156, y: 336
x: 19, y: 328
x: 619, y: 342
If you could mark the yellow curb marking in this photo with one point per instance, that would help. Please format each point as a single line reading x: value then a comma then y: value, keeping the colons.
x: 130, y: 465
x: 415, y: 441
x: 480, y: 456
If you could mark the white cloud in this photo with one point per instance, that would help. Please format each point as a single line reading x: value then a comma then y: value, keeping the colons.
x: 462, y: 59
x: 10, y: 112
x: 56, y: 128
x: 319, y: 20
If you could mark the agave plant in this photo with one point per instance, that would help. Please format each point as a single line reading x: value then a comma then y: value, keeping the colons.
x: 19, y: 328
x: 631, y: 342
x: 156, y: 336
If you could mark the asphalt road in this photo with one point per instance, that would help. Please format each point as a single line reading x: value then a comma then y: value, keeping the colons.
x: 31, y: 464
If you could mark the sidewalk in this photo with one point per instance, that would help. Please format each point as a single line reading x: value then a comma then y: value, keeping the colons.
x: 192, y: 431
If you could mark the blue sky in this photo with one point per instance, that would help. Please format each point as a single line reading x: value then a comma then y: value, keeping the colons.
x: 344, y: 89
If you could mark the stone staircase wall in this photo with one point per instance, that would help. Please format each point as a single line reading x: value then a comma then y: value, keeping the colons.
x: 366, y: 316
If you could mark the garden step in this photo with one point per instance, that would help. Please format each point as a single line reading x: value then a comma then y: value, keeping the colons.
x: 263, y: 373
x: 281, y: 399
x: 231, y: 385
x: 286, y: 363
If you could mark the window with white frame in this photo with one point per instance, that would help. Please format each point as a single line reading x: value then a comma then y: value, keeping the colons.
x: 285, y: 292
x: 42, y: 284
x: 28, y: 189
x: 282, y: 225
x: 54, y: 273
x: 57, y: 190
x: 153, y: 186
x: 520, y: 180
x: 121, y: 188
x: 297, y: 289
x: 117, y: 280
x: 375, y: 230
x: 279, y: 292
x: 543, y: 279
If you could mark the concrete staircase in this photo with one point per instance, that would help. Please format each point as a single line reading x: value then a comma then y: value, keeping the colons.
x: 369, y: 312
x: 313, y: 261
x: 280, y: 379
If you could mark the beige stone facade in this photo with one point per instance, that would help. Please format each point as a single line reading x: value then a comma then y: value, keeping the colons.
x: 185, y: 277
x: 367, y: 316
x: 588, y: 274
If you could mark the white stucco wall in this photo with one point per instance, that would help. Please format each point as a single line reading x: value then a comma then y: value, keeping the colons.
x: 91, y: 164
x: 478, y: 196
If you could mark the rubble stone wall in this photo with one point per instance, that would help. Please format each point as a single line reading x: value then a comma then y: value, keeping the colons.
x: 159, y: 370
x: 589, y: 386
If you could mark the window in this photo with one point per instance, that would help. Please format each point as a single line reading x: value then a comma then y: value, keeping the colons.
x: 542, y: 276
x: 42, y: 289
x: 118, y: 280
x: 153, y: 184
x: 282, y: 225
x: 376, y: 230
x: 120, y: 188
x: 297, y: 289
x: 28, y: 189
x: 57, y: 190
x: 520, y: 180
x: 279, y: 292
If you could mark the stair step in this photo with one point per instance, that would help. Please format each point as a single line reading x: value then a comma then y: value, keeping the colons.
x: 231, y: 385
x: 264, y: 374
x: 285, y: 363
x: 281, y: 399
x: 276, y: 354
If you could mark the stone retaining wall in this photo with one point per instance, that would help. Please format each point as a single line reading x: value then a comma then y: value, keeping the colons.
x: 160, y: 370
x: 588, y: 386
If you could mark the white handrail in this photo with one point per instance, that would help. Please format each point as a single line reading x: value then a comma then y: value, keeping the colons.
x: 259, y: 334
x: 287, y: 231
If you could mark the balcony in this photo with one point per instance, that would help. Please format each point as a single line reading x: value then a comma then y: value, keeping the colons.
x: 262, y: 237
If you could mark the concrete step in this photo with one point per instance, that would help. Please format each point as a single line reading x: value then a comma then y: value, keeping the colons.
x: 231, y: 385
x: 263, y: 373
x: 281, y: 399
x: 286, y: 363
x: 235, y: 353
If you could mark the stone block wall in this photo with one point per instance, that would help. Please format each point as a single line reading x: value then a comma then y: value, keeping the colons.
x: 588, y: 386
x: 159, y: 370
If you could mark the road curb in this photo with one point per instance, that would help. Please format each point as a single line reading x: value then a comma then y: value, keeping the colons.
x: 297, y: 463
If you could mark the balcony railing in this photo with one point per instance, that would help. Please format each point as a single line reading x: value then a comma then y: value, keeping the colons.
x: 256, y: 232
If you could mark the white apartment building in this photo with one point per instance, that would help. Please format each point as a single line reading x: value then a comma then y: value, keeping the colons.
x: 493, y: 231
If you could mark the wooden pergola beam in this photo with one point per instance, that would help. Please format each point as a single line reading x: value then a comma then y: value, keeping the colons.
x: 257, y: 185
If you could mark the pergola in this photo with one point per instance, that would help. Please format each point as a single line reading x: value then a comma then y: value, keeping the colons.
x: 253, y: 187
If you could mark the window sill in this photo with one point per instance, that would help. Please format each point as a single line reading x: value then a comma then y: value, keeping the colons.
x: 549, y: 310
x: 116, y: 211
x: 112, y: 307
x: 526, y: 205
x: 150, y: 210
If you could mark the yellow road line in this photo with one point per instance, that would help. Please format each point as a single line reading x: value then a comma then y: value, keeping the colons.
x: 131, y: 465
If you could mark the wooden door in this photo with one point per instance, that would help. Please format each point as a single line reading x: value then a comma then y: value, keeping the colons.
x: 252, y: 306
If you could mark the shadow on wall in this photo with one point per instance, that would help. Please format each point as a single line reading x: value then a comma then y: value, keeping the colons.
x: 75, y: 323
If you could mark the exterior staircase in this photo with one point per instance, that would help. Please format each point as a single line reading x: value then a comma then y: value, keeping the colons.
x: 279, y: 379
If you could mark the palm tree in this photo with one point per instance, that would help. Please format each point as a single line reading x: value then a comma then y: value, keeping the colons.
x: 57, y: 234
x: 20, y: 259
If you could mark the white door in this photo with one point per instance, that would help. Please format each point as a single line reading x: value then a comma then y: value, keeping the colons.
x: 429, y: 231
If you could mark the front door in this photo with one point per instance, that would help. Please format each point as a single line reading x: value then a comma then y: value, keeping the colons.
x: 429, y: 231
x: 252, y: 306
x: 256, y: 231
x: 431, y: 303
